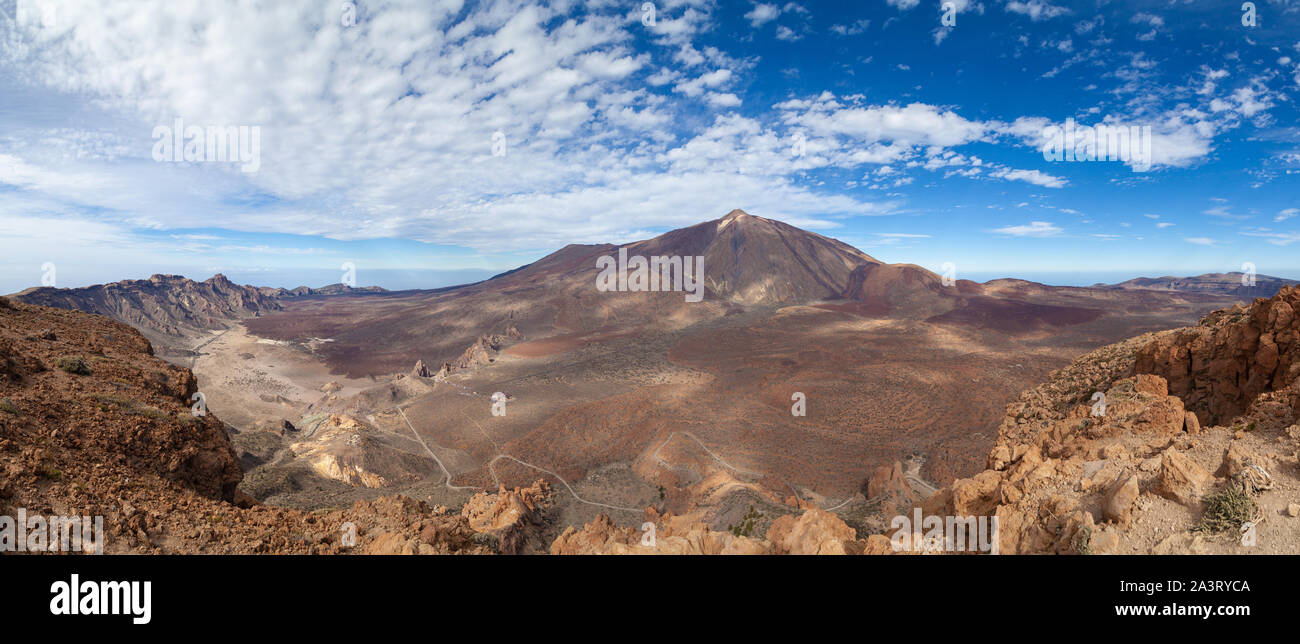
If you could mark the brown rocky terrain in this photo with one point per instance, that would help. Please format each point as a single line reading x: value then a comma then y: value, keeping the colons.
x: 623, y: 401
x: 91, y: 423
x: 1198, y: 437
x: 626, y: 396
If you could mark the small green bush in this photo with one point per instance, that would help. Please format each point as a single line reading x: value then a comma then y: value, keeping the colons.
x: 73, y: 365
x: 8, y: 407
x: 1227, y: 510
x: 746, y: 527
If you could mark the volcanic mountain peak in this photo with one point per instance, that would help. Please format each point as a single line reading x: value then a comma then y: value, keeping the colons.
x: 735, y: 215
x: 754, y: 260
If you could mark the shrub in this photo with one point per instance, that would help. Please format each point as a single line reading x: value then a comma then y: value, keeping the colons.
x: 73, y: 365
x: 1227, y: 510
x: 746, y: 527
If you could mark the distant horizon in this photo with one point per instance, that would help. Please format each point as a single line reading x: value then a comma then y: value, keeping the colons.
x: 428, y: 279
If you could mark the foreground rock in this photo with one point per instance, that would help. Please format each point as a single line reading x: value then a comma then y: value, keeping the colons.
x: 813, y: 532
x: 1102, y: 458
x: 513, y: 518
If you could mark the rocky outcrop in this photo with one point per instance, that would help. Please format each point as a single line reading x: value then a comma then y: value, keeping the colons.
x: 1181, y: 479
x: 1221, y: 366
x: 347, y: 450
x: 513, y: 518
x: 173, y: 311
x: 482, y: 352
x: 813, y: 532
x: 170, y: 305
x: 303, y: 291
x: 1108, y: 444
x: 889, y: 487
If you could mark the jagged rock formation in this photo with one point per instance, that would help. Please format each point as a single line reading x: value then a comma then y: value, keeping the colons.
x: 889, y: 485
x: 332, y: 289
x: 175, y: 312
x: 482, y: 352
x: 513, y: 518
x: 812, y: 532
x: 344, y: 449
x: 1222, y: 365
x: 1069, y: 476
x: 169, y: 305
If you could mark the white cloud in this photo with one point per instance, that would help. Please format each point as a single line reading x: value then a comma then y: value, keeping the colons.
x: 903, y: 5
x: 1275, y: 238
x: 1033, y: 229
x: 718, y: 99
x: 696, y: 86
x: 1036, y: 9
x: 1286, y: 214
x: 915, y: 124
x: 854, y: 29
x: 762, y: 14
x: 1030, y: 176
x: 1147, y: 19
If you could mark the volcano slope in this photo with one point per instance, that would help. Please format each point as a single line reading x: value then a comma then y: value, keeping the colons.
x: 621, y: 399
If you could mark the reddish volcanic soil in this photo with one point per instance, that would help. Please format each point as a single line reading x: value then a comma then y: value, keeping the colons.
x: 892, y: 363
x: 562, y: 343
x: 877, y: 391
x: 696, y: 397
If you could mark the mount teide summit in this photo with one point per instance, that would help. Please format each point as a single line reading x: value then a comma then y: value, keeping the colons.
x: 752, y: 260
x: 747, y: 260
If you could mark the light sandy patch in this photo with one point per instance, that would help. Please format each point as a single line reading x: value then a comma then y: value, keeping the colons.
x: 247, y: 379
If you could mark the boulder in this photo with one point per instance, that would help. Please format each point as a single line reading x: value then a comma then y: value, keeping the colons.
x: 1181, y: 479
x: 815, y: 532
x: 1119, y: 504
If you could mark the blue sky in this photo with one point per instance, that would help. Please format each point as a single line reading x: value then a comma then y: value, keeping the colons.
x: 433, y: 142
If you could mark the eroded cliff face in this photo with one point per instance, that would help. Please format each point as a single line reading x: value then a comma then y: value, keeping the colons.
x: 1189, y: 416
x: 170, y: 305
x: 1222, y: 366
